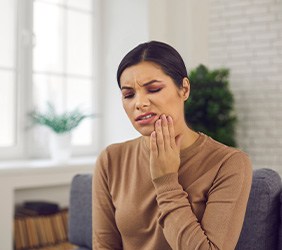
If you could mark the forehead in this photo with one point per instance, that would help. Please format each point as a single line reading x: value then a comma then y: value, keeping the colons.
x: 141, y: 73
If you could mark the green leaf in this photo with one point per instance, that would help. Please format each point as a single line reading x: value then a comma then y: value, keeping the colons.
x: 59, y: 123
x: 210, y: 107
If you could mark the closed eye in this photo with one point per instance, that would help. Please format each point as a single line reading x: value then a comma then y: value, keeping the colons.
x: 128, y: 96
x: 154, y: 90
x: 131, y: 95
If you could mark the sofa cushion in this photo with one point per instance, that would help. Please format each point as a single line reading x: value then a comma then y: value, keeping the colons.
x: 262, y: 219
x: 280, y: 230
x: 80, y: 215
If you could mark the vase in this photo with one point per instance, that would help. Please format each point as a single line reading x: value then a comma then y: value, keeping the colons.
x: 60, y: 147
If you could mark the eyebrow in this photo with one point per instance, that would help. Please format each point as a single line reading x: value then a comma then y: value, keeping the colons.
x: 145, y: 84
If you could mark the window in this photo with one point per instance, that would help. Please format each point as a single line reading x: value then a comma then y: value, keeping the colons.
x: 54, y: 48
x: 7, y: 74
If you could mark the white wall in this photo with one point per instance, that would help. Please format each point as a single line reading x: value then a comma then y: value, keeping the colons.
x: 124, y: 26
x: 58, y: 194
x: 246, y: 36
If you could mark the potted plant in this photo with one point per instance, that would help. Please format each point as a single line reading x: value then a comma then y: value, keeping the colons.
x: 210, y: 107
x: 61, y: 126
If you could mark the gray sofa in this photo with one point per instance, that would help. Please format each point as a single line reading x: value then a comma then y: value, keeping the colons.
x: 262, y: 228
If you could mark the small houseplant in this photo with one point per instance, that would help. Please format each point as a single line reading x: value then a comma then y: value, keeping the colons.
x: 210, y: 107
x: 61, y: 126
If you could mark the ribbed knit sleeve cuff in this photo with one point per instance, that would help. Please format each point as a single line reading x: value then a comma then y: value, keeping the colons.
x: 166, y: 183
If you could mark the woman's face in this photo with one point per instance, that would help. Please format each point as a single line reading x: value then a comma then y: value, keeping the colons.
x: 147, y: 93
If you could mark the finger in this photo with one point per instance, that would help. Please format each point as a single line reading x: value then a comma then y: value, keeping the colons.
x: 171, y: 132
x: 159, y: 133
x: 165, y: 131
x: 153, y: 144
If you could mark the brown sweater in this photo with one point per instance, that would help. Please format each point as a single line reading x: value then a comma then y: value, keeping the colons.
x: 201, y: 207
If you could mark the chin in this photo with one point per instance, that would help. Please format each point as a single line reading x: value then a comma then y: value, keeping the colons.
x: 145, y: 131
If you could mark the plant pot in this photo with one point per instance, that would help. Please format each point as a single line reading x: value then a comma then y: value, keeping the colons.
x: 60, y: 147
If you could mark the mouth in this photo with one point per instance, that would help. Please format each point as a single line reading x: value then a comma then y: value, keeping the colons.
x: 146, y: 118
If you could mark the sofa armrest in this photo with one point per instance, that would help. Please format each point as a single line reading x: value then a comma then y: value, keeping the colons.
x: 80, y: 211
x: 262, y: 219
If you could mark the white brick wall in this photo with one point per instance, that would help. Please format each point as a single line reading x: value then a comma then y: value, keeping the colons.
x: 246, y: 36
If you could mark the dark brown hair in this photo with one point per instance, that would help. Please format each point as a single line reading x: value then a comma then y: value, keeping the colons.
x: 157, y: 52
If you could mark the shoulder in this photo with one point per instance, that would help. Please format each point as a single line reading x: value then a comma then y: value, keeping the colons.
x: 216, y: 145
x: 116, y: 151
x: 124, y: 144
x: 235, y: 162
x: 223, y: 151
x: 230, y: 159
x: 239, y: 162
x: 234, y: 166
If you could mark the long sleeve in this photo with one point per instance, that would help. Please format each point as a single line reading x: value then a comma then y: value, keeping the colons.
x: 223, y: 217
x: 105, y: 231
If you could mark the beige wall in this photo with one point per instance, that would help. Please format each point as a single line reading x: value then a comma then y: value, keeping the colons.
x: 184, y: 25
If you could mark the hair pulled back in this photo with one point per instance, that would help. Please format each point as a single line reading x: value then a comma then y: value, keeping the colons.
x: 159, y: 53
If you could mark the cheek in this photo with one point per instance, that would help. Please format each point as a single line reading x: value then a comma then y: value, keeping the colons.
x: 172, y: 106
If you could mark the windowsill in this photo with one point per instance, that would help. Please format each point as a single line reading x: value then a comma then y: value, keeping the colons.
x: 44, y: 165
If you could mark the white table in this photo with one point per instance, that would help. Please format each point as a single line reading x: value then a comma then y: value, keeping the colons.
x: 32, y: 174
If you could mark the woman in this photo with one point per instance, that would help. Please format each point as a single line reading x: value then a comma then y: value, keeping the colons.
x: 171, y: 188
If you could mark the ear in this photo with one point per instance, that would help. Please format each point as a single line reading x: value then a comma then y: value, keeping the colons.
x: 185, y: 88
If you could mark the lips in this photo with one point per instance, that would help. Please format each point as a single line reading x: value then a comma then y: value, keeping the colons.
x: 143, y: 117
x: 147, y: 119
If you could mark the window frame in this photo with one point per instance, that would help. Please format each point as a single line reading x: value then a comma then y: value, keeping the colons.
x: 24, y: 148
x: 16, y: 151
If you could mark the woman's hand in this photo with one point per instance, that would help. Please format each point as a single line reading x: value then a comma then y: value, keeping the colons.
x: 164, y: 148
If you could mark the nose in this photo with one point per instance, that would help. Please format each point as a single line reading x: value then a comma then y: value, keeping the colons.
x: 141, y: 102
